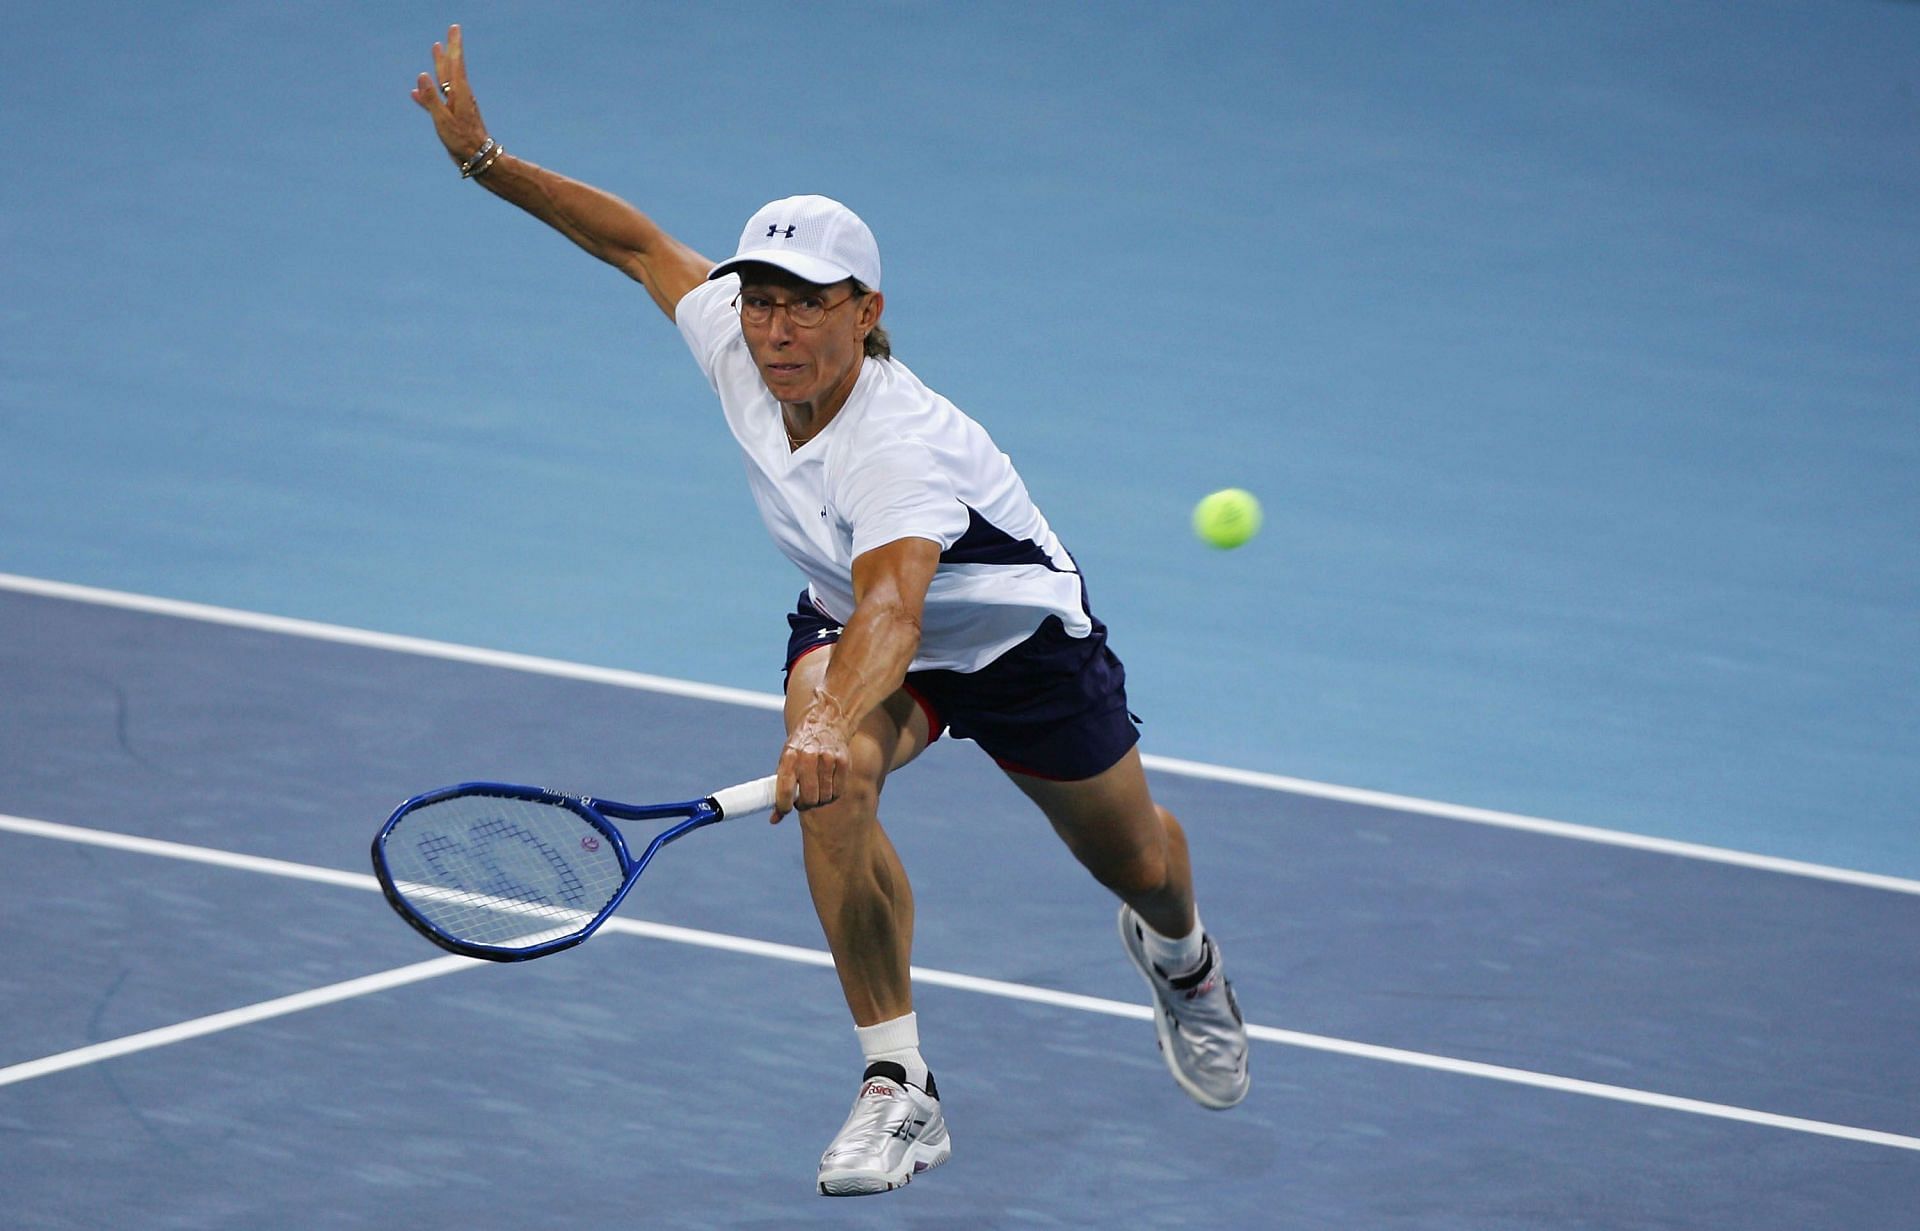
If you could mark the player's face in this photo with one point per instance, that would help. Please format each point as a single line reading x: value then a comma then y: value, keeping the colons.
x: 812, y: 364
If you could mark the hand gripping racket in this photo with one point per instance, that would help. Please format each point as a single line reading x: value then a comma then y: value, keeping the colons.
x: 507, y: 873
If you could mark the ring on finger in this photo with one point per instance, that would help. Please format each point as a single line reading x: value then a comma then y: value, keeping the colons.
x: 446, y: 87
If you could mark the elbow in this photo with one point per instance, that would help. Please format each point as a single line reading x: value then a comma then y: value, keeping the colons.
x: 906, y: 621
x: 897, y: 623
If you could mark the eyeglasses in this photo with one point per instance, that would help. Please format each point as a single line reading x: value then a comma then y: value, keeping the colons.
x: 806, y: 312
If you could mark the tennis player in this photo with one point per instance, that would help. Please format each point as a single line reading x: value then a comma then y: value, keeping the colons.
x: 937, y: 599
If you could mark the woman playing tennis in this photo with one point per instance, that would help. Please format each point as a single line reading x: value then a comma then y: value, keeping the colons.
x: 937, y: 599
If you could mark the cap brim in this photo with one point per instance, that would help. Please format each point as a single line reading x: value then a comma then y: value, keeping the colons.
x: 799, y: 264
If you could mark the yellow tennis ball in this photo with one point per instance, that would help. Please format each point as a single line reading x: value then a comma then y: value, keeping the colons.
x: 1227, y: 518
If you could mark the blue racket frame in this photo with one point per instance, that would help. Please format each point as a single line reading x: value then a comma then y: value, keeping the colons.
x: 695, y: 814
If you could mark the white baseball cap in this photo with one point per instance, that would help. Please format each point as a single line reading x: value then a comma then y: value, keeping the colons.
x: 815, y: 238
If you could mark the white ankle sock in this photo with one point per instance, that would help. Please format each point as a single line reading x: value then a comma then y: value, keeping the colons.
x: 897, y: 1041
x: 1174, y: 956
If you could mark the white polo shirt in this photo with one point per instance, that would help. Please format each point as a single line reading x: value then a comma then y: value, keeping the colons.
x: 898, y: 461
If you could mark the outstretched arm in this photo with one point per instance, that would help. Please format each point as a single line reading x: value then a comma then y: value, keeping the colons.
x: 599, y: 222
x: 868, y: 665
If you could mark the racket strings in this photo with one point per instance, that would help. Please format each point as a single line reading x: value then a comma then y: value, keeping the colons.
x: 501, y: 871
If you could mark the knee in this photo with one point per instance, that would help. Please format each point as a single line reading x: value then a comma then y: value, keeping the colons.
x: 1139, y: 877
x: 1136, y: 873
x: 1145, y: 867
x: 843, y: 827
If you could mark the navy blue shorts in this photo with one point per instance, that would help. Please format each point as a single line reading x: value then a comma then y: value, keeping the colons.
x: 1054, y: 706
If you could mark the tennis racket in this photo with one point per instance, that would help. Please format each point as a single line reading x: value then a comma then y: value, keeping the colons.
x: 507, y: 873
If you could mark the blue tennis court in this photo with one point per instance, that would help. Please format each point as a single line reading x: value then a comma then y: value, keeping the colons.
x: 1568, y: 347
x: 1458, y: 1024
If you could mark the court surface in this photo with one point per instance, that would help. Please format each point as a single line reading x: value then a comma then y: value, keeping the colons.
x: 1458, y: 1024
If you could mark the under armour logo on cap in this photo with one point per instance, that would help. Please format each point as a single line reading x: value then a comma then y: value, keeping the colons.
x: 815, y: 238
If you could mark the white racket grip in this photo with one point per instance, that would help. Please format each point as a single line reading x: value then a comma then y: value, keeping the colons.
x: 755, y: 796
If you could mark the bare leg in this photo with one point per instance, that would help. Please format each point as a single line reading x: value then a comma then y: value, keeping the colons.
x: 1132, y: 845
x: 1135, y: 848
x: 860, y: 890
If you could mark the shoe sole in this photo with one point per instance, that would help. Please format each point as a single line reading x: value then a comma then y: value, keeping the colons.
x: 1163, y: 1026
x: 921, y: 1156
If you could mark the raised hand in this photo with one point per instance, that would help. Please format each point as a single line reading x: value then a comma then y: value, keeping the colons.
x: 445, y: 95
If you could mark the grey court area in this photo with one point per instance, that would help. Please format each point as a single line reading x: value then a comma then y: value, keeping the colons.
x: 642, y: 1081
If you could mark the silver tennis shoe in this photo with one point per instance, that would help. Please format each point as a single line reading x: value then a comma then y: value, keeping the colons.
x: 1203, y: 1038
x: 894, y: 1132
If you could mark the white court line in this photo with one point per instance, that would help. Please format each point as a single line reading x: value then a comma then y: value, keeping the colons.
x: 216, y: 1022
x: 814, y: 957
x: 561, y: 669
x: 1533, y: 824
x: 341, y: 635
